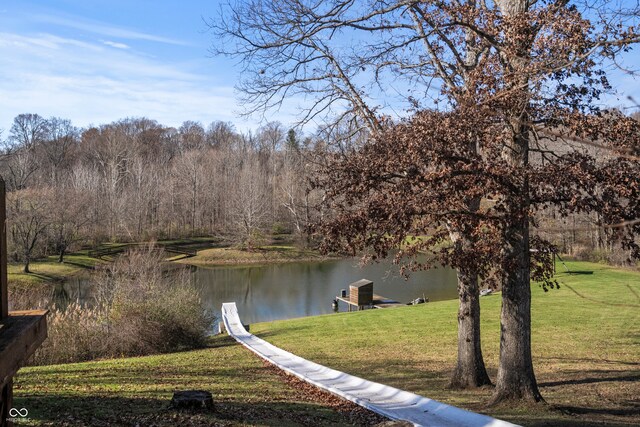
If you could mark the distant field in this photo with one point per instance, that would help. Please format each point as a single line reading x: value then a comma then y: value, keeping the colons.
x: 586, y: 346
x: 263, y: 255
x: 49, y: 270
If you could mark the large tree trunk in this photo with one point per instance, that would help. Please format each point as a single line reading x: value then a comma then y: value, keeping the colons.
x: 516, y: 379
x: 470, y: 370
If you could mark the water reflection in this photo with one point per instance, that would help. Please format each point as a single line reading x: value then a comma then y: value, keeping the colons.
x: 285, y: 291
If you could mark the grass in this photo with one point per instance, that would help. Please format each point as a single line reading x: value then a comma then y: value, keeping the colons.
x: 586, y: 349
x: 263, y: 255
x: 49, y: 270
x: 137, y: 391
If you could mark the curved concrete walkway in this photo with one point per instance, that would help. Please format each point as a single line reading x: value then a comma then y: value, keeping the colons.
x: 388, y: 401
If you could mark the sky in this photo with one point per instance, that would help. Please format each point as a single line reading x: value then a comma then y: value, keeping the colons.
x: 98, y: 61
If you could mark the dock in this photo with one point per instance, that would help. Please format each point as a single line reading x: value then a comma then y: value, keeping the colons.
x: 377, y: 302
x: 361, y: 297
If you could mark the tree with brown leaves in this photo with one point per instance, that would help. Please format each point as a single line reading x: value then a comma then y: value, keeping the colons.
x: 489, y: 85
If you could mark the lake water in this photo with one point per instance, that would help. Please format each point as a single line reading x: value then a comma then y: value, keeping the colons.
x: 285, y: 291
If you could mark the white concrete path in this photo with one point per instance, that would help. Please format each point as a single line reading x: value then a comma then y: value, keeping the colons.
x: 388, y: 401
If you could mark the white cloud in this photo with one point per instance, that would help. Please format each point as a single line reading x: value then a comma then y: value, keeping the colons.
x: 116, y: 44
x: 105, y: 29
x: 92, y: 84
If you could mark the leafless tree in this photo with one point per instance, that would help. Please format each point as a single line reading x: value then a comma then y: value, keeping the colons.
x: 221, y: 135
x: 250, y: 201
x: 56, y: 147
x: 28, y: 217
x: 69, y: 212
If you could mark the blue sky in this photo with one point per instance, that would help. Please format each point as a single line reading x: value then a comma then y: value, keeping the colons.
x: 98, y: 61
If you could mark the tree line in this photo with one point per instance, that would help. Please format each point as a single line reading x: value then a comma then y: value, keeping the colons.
x: 135, y: 179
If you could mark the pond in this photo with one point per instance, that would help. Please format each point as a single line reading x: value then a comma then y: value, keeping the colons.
x: 285, y: 291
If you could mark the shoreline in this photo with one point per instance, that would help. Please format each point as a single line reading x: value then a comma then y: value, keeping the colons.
x: 266, y: 255
x: 251, y: 262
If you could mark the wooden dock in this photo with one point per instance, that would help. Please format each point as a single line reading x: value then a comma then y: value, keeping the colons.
x: 378, y: 302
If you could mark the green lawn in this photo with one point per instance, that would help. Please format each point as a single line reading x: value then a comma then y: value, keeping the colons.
x: 49, y: 270
x: 586, y: 349
x: 586, y: 346
x: 137, y: 391
x: 264, y: 255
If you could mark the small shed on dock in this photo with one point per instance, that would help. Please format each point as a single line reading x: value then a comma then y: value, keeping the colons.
x: 361, y: 292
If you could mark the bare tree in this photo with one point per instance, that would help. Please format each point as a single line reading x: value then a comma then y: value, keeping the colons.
x: 61, y: 137
x: 27, y: 131
x: 192, y: 135
x: 28, y: 217
x: 109, y: 150
x: 69, y: 211
x: 21, y: 165
x: 221, y: 135
x: 189, y: 172
x: 250, y: 201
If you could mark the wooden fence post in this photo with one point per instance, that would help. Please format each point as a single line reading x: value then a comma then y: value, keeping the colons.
x: 21, y: 332
x: 7, y: 389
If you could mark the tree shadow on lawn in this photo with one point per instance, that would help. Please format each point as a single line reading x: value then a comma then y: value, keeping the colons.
x: 631, y: 411
x: 270, y: 333
x: 80, y: 265
x: 626, y: 377
x: 219, y: 341
x: 587, y: 359
x: 56, y: 410
x: 44, y: 277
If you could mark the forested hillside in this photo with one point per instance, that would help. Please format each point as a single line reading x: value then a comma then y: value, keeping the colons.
x: 135, y: 179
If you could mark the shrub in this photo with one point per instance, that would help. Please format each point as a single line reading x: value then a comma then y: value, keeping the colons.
x: 138, y: 309
x: 279, y: 228
x: 27, y: 296
x: 75, y: 334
